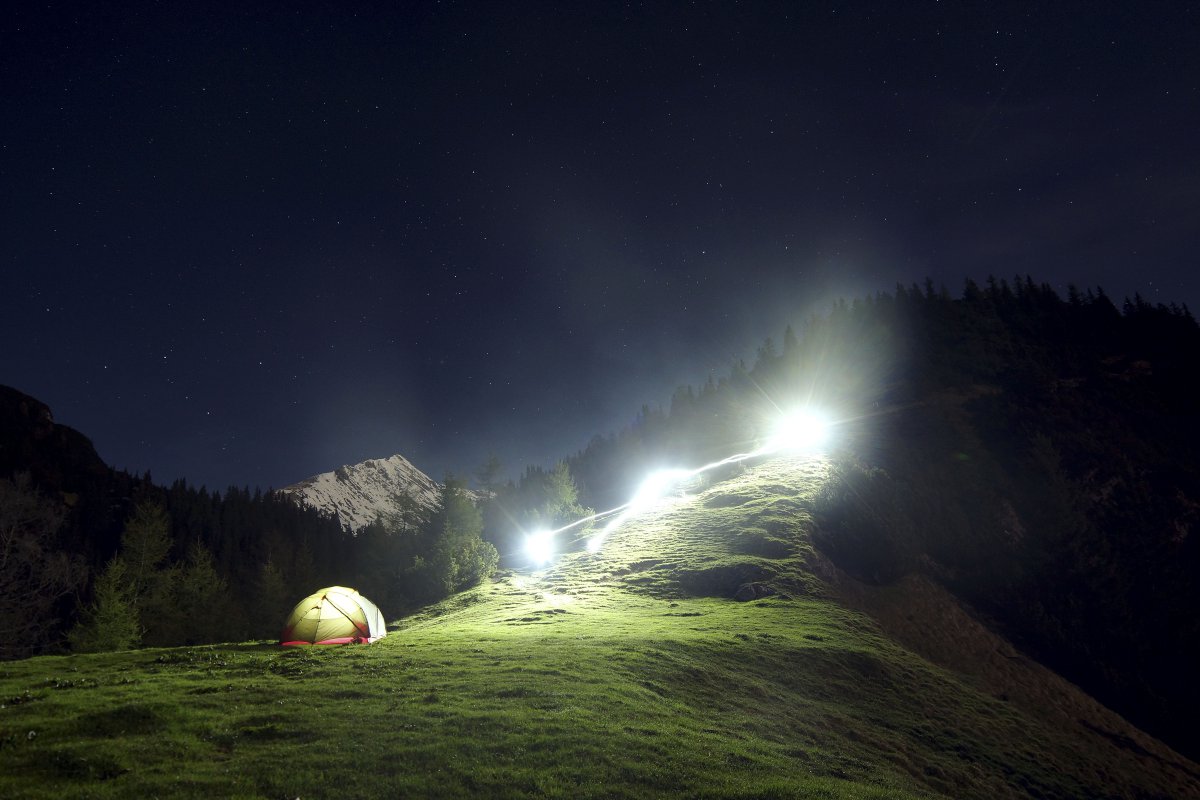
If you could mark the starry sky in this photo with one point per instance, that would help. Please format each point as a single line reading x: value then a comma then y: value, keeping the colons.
x: 246, y: 245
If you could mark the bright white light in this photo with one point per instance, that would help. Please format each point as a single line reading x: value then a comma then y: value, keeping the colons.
x: 799, y: 431
x: 658, y: 484
x: 539, y: 547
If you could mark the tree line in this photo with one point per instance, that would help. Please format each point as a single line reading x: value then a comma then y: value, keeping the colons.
x: 1037, y: 454
x: 178, y: 565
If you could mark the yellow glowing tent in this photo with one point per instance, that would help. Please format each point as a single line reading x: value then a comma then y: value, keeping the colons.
x: 334, y: 615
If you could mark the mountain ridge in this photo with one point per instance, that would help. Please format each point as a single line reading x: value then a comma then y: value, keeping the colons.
x: 358, y: 494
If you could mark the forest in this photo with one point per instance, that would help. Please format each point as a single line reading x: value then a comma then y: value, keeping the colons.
x: 1034, y: 453
x: 1037, y: 455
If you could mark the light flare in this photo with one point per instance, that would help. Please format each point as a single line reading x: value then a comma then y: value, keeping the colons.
x: 539, y: 546
x: 798, y: 432
x: 656, y: 486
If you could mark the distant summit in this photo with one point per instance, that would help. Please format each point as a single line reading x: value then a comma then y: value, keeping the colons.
x: 357, y: 494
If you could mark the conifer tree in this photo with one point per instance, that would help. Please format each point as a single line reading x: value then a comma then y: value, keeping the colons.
x: 145, y: 544
x: 459, y: 557
x: 488, y: 476
x: 150, y: 580
x: 790, y: 343
x: 110, y: 622
x: 199, y: 602
x: 561, y: 503
x: 272, y: 601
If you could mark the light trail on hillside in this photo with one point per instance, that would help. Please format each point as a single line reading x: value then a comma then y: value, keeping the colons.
x: 795, y: 432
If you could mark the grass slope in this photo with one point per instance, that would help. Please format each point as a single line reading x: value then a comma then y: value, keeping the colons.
x: 627, y: 673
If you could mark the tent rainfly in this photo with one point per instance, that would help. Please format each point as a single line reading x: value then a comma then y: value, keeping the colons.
x: 334, y: 615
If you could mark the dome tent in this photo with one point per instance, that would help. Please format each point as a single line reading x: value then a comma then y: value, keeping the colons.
x: 334, y: 615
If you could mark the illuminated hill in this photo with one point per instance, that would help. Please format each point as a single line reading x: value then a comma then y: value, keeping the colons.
x: 628, y: 672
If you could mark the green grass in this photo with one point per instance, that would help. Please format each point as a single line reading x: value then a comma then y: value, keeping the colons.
x: 628, y: 673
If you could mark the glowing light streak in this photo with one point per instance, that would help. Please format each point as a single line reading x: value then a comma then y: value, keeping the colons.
x: 800, y: 431
x: 595, y: 542
x: 658, y: 484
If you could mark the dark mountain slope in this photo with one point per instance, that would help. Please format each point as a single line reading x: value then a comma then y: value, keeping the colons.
x: 1051, y: 478
x: 1037, y: 456
x: 56, y: 456
x: 630, y: 672
x: 62, y: 464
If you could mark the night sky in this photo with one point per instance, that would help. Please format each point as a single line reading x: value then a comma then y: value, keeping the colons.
x: 247, y: 246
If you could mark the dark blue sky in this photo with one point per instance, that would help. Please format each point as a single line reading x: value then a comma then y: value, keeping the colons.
x: 243, y: 247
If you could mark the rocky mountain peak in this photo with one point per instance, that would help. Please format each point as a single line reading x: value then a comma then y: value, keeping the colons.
x: 358, y: 493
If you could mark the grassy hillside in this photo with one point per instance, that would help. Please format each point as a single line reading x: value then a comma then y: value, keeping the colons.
x: 627, y: 673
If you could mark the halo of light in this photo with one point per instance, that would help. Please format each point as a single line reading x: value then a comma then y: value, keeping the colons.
x: 539, y: 546
x: 656, y: 485
x: 800, y: 431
